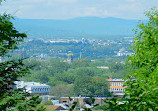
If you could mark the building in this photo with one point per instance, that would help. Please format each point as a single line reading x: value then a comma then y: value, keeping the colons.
x: 103, y: 67
x: 124, y: 53
x: 116, y: 86
x: 70, y: 57
x: 82, y: 100
x: 33, y: 87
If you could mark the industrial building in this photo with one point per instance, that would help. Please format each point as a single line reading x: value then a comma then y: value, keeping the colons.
x: 33, y: 87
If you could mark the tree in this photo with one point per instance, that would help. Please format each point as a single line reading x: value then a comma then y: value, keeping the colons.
x: 81, y: 63
x: 142, y: 86
x: 82, y: 84
x: 84, y: 71
x: 57, y: 66
x: 47, y: 102
x: 41, y: 76
x: 67, y: 77
x: 115, y: 67
x: 11, y: 70
x: 62, y: 90
x: 88, y: 86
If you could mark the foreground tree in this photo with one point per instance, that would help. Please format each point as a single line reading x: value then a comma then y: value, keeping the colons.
x: 11, y: 70
x: 142, y: 91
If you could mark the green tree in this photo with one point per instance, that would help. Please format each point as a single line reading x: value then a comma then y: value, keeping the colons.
x: 57, y: 66
x: 39, y: 75
x: 36, y: 64
x: 67, y: 77
x: 142, y: 85
x: 81, y: 86
x: 62, y: 90
x: 84, y: 71
x: 115, y: 67
x: 82, y: 63
x: 11, y: 70
x: 119, y: 70
x: 47, y: 102
x: 100, y: 86
x: 88, y: 86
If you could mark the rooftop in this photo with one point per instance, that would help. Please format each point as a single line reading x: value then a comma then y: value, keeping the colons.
x: 21, y: 84
x: 121, y: 80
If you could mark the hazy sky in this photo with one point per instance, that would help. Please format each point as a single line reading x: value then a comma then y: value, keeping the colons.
x: 65, y: 9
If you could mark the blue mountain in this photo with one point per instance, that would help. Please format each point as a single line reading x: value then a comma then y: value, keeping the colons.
x: 88, y: 27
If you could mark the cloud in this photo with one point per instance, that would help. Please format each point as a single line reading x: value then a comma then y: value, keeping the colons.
x: 64, y: 9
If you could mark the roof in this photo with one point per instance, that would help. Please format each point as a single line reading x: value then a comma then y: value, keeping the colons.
x: 115, y: 80
x: 73, y: 97
x: 22, y: 84
x: 54, y: 107
x: 82, y: 97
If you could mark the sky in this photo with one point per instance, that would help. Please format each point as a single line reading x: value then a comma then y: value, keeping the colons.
x: 67, y: 9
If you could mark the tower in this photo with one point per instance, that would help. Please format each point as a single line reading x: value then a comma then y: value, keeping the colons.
x: 70, y: 57
x: 80, y: 55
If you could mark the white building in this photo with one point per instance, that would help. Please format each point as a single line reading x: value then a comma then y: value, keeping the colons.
x: 33, y: 87
x: 124, y: 53
x: 116, y: 86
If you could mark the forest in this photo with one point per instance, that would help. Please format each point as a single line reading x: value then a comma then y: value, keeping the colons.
x: 81, y: 77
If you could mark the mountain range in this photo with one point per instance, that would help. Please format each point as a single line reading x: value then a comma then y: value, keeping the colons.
x: 83, y: 27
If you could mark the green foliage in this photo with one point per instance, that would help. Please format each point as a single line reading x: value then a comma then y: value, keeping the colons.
x: 36, y: 64
x: 67, y: 77
x: 85, y: 72
x: 82, y: 63
x: 8, y: 40
x: 61, y: 75
x: 11, y: 70
x: 115, y: 67
x: 57, y: 66
x: 142, y: 85
x: 42, y: 76
x: 62, y: 90
x: 53, y: 81
x: 88, y: 86
x: 119, y: 70
x: 47, y: 102
x: 9, y: 36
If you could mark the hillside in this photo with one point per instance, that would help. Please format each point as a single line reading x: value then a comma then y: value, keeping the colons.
x: 88, y: 27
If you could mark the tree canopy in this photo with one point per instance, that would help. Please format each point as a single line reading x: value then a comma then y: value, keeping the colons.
x: 142, y: 86
x: 11, y: 70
